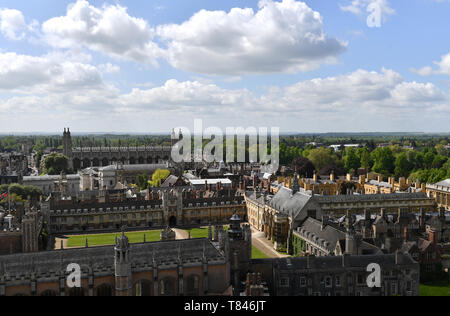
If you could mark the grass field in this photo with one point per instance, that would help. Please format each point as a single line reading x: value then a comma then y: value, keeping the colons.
x: 109, y: 239
x: 258, y: 254
x: 436, y: 289
x: 203, y: 233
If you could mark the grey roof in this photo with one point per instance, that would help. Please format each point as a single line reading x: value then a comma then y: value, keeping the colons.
x: 369, y: 197
x: 135, y: 168
x: 53, y: 261
x: 380, y: 184
x: 51, y: 178
x: 330, y: 234
x: 332, y: 262
x: 445, y: 183
x: 288, y: 203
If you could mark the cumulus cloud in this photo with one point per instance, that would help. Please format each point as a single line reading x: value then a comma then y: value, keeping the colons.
x: 360, y: 96
x: 443, y: 67
x: 285, y: 36
x: 48, y: 73
x: 13, y: 25
x: 109, y: 29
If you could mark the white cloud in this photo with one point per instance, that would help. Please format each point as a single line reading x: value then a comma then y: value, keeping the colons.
x: 443, y: 67
x: 360, y: 7
x: 13, y: 25
x: 370, y: 100
x: 108, y: 29
x: 285, y: 36
x: 49, y: 73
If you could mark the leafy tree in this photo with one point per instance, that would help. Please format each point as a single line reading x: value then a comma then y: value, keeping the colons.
x: 56, y: 163
x: 303, y: 166
x: 402, y: 165
x: 158, y: 177
x: 351, y: 160
x: 142, y: 181
x: 322, y: 157
x: 384, y: 161
x: 364, y: 158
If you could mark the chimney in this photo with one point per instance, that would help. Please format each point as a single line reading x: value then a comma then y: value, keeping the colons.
x: 349, y: 177
x: 362, y: 179
x: 332, y: 178
x: 433, y: 236
x: 315, y: 176
x: 380, y: 178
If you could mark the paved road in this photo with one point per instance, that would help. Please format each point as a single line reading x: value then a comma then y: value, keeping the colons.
x: 264, y: 245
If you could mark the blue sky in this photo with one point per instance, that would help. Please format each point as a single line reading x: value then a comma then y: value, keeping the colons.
x: 149, y: 66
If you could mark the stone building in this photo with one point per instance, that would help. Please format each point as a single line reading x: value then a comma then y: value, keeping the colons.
x: 85, y: 157
x: 440, y: 192
x: 339, y: 276
x: 49, y: 184
x: 173, y: 207
x: 184, y: 267
x: 98, y: 178
x: 280, y: 214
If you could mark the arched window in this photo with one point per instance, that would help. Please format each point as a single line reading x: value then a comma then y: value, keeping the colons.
x: 143, y: 288
x: 193, y: 285
x: 167, y: 287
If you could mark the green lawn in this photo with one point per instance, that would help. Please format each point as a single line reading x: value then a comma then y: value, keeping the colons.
x: 436, y: 289
x: 201, y: 232
x: 258, y: 254
x: 109, y: 239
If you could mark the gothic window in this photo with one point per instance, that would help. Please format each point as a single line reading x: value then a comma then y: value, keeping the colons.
x: 166, y: 287
x: 143, y: 288
x: 328, y: 282
x: 192, y: 285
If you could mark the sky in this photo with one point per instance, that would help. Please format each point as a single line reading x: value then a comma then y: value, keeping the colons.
x: 148, y: 66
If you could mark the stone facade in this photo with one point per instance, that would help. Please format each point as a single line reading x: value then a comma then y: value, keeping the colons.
x: 339, y: 276
x: 440, y: 192
x: 85, y: 157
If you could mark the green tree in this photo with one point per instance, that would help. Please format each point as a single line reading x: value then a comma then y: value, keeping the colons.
x: 322, y: 157
x: 142, y: 181
x: 402, y: 165
x: 158, y: 177
x: 384, y: 161
x: 351, y: 160
x: 56, y: 163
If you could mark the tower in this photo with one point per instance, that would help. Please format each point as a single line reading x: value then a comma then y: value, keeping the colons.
x: 29, y: 231
x: 67, y: 146
x: 350, y: 236
x: 239, y: 252
x: 122, y: 266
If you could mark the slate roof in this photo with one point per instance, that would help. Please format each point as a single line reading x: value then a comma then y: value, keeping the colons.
x: 369, y: 197
x: 445, y: 183
x: 332, y: 262
x: 287, y: 203
x: 52, y: 261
